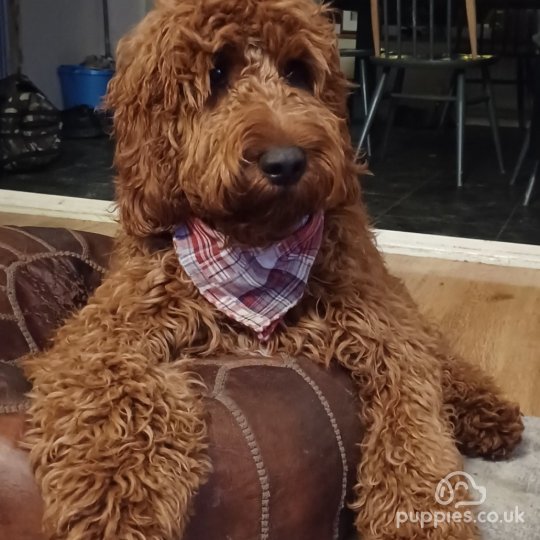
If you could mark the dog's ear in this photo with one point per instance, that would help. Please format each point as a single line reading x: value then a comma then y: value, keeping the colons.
x: 337, y: 88
x: 165, y: 3
x: 145, y: 96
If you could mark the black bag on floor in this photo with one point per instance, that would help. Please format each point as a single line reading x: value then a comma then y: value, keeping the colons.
x: 29, y: 125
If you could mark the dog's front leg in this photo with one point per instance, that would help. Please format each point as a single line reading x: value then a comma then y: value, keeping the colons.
x: 484, y: 421
x: 408, y: 450
x: 116, y: 435
x: 408, y: 447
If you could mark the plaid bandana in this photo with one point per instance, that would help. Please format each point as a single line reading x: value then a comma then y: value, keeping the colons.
x: 254, y: 286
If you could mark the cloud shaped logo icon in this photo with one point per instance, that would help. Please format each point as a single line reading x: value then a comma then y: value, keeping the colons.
x: 445, y: 492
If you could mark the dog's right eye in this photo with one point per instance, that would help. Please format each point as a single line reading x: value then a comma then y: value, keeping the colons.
x: 298, y: 74
x: 219, y: 76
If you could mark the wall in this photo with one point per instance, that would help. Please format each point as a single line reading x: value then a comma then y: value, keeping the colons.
x: 4, y: 39
x: 55, y: 32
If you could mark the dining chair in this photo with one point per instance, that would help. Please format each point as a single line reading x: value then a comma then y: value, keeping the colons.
x: 421, y: 34
x: 506, y: 30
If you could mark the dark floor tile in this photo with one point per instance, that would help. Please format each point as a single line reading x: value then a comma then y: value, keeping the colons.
x: 524, y: 175
x: 424, y: 162
x: 524, y: 225
x: 84, y: 169
x: 439, y: 226
x: 393, y: 184
x: 459, y: 205
x: 379, y: 204
x: 436, y: 150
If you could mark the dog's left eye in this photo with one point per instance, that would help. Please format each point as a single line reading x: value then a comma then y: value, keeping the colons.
x: 298, y: 74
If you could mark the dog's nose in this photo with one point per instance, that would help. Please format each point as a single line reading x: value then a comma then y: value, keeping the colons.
x: 283, y: 165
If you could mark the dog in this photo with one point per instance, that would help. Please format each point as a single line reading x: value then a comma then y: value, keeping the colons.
x: 231, y: 126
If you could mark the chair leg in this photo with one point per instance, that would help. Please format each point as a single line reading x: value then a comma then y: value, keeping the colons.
x: 398, y: 87
x: 521, y: 158
x: 486, y: 80
x: 532, y: 181
x: 446, y: 106
x: 520, y: 91
x: 377, y: 96
x: 460, y: 113
x: 365, y: 98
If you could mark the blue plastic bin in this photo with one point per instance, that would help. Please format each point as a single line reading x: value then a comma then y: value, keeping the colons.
x: 83, y: 86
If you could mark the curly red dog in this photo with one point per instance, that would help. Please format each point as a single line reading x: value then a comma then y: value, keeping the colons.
x: 232, y: 114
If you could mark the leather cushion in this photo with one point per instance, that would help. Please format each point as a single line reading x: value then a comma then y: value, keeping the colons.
x: 45, y: 274
x: 283, y: 444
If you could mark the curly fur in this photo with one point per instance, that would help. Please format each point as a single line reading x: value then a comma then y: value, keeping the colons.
x: 117, y: 432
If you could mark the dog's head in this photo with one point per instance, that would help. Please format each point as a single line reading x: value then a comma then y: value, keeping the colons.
x: 233, y: 111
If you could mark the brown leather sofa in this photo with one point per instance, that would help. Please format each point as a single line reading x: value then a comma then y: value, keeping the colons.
x: 283, y: 436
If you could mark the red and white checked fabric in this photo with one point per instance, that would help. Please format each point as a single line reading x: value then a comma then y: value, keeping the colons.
x: 253, y: 286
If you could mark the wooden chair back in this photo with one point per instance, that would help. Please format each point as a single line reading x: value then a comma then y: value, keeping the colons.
x: 420, y: 18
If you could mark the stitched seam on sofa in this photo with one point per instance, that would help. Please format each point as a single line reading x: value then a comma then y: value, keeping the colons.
x: 82, y: 242
x: 12, y: 362
x: 8, y: 317
x: 221, y: 375
x: 17, y: 311
x: 254, y: 449
x: 247, y: 362
x: 38, y: 256
x: 292, y: 364
x: 10, y: 287
x: 219, y: 383
x: 12, y: 408
x: 11, y: 249
x: 29, y: 235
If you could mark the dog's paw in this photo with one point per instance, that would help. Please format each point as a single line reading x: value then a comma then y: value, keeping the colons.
x: 490, y: 432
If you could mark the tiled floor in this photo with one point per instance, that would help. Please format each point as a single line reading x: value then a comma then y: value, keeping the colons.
x: 413, y: 188
x: 83, y: 170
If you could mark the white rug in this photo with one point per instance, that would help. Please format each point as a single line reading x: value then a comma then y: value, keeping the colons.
x: 509, y: 485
